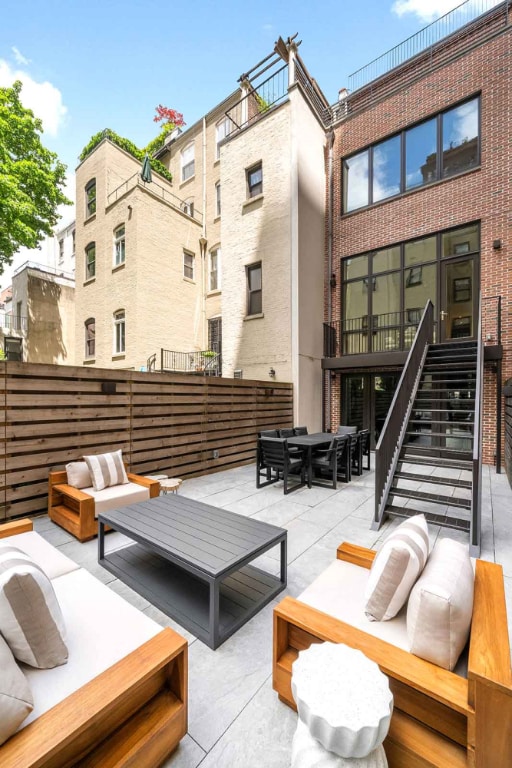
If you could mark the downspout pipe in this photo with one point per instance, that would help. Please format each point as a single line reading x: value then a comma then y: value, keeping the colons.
x: 203, y: 241
x: 330, y: 208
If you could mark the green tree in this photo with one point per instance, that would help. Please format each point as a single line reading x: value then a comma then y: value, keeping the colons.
x: 31, y: 178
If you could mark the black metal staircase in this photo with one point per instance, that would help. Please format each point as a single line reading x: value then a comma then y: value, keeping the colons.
x: 429, y: 450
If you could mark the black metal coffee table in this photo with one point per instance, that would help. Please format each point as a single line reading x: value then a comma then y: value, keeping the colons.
x: 191, y: 560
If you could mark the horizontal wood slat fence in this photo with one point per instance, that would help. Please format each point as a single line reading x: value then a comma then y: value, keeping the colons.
x: 164, y: 423
x: 507, y: 391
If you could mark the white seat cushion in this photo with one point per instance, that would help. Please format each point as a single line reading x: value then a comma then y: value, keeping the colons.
x: 102, y: 628
x: 53, y: 562
x: 117, y: 496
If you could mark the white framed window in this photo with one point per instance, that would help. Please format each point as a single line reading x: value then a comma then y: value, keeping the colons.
x: 119, y: 332
x: 188, y: 163
x: 90, y: 198
x: 217, y: 199
x: 90, y: 261
x: 188, y: 265
x: 222, y: 129
x: 90, y: 337
x: 255, y: 180
x: 187, y: 207
x: 73, y: 234
x: 214, y: 273
x: 61, y: 251
x: 119, y: 245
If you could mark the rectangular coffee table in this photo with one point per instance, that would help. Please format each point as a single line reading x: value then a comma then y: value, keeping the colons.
x: 192, y: 561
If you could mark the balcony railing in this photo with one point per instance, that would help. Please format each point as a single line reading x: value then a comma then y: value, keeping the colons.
x: 13, y: 324
x: 426, y: 38
x: 206, y: 363
x: 259, y: 99
x: 158, y: 191
x: 393, y: 331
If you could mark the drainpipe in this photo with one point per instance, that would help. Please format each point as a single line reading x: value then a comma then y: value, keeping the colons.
x: 203, y: 241
x: 330, y: 205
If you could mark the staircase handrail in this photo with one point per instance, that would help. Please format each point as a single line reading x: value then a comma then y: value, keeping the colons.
x: 391, y: 435
x: 474, y: 536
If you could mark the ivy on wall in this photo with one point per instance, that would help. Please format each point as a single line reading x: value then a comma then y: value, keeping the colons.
x: 130, y: 147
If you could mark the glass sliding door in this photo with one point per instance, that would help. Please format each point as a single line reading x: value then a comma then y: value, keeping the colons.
x: 366, y: 399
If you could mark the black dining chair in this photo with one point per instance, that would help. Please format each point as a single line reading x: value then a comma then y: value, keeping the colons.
x: 300, y: 431
x: 288, y: 432
x: 269, y: 433
x: 333, y: 461
x: 342, y: 430
x: 274, y: 457
x: 356, y: 461
x: 364, y: 447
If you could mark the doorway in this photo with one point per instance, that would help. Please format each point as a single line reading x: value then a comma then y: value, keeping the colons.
x: 458, y: 314
x: 365, y: 400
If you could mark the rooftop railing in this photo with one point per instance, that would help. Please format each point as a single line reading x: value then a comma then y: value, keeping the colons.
x: 424, y: 39
x: 158, y: 191
x: 260, y: 99
x: 44, y: 268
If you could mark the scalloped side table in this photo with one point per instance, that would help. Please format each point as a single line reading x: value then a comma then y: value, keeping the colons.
x: 307, y: 752
x: 343, y: 698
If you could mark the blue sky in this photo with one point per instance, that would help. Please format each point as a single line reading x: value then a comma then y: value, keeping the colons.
x: 107, y: 63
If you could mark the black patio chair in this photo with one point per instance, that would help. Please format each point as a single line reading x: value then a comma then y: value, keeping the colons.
x: 269, y: 433
x: 333, y: 461
x: 356, y: 459
x: 300, y: 431
x: 274, y: 457
x: 288, y: 432
x: 342, y: 430
x: 364, y: 447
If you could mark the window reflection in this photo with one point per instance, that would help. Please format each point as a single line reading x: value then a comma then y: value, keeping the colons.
x: 355, y: 175
x: 460, y: 138
x: 420, y: 154
x: 420, y: 251
x: 355, y: 267
x: 459, y: 241
x: 387, y: 258
x: 386, y: 169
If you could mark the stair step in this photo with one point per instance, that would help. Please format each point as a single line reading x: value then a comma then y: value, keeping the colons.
x: 446, y: 422
x: 430, y: 433
x: 449, y: 366
x: 426, y: 450
x: 450, y: 357
x: 433, y: 479
x: 438, y: 410
x: 447, y: 521
x: 436, y: 461
x: 434, y: 498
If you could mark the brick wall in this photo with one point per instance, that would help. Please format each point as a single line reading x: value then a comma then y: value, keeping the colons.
x: 481, y: 195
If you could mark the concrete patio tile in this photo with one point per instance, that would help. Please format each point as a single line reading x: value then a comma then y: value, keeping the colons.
x: 129, y: 594
x: 260, y: 737
x: 310, y: 497
x: 222, y: 682
x: 57, y: 535
x: 187, y: 755
x: 259, y: 499
x: 227, y: 496
x: 281, y: 513
x: 42, y: 523
x: 301, y: 536
x: 166, y: 621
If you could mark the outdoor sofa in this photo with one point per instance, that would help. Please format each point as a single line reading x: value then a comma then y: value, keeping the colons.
x: 76, y: 509
x: 441, y: 718
x: 121, y: 698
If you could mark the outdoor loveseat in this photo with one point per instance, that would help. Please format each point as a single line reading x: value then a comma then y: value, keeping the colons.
x: 121, y: 698
x: 75, y: 506
x: 441, y: 718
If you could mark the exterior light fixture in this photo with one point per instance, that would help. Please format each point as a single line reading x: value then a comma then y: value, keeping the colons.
x: 272, y: 373
x: 496, y: 245
x: 333, y: 280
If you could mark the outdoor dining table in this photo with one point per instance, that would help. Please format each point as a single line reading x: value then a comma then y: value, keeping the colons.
x: 308, y: 442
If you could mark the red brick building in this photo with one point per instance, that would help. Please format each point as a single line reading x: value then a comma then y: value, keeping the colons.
x: 420, y: 172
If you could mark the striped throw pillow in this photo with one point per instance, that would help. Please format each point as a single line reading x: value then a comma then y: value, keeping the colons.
x: 395, y: 569
x: 30, y: 617
x: 16, y: 701
x: 106, y: 469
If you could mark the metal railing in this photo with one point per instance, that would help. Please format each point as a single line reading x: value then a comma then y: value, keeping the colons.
x: 158, y: 191
x: 206, y: 362
x: 389, y: 332
x: 476, y: 489
x: 14, y: 323
x: 390, y: 440
x: 43, y: 268
x: 426, y: 38
x: 260, y: 99
x: 312, y: 92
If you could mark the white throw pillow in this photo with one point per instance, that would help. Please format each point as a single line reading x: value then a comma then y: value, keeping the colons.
x: 30, y: 617
x: 395, y: 568
x: 106, y: 469
x: 441, y: 605
x: 78, y: 474
x: 16, y: 701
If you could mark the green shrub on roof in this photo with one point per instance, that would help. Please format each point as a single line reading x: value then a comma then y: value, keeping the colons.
x: 129, y: 147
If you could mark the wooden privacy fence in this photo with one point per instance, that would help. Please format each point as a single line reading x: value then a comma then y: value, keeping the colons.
x: 172, y: 424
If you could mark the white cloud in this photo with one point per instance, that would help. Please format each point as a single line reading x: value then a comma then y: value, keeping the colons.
x: 20, y: 58
x: 428, y: 10
x: 44, y: 99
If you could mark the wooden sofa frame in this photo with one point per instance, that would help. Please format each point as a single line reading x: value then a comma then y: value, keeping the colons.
x: 439, y: 718
x: 73, y: 509
x: 133, y: 714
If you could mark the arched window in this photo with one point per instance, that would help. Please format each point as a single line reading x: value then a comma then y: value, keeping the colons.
x: 119, y: 245
x: 90, y: 261
x: 90, y: 198
x: 90, y: 337
x: 119, y: 332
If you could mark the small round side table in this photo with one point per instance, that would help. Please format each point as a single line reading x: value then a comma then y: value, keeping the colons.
x: 170, y: 485
x: 344, y: 700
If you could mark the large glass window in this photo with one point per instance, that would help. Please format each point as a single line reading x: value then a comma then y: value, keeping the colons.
x: 119, y: 332
x: 441, y: 146
x: 254, y: 290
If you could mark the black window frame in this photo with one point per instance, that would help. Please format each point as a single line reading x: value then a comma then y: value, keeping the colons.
x: 254, y: 189
x: 439, y: 174
x: 90, y: 274
x: 90, y: 337
x: 90, y: 201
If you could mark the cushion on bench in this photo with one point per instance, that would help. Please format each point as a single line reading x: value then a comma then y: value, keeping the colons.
x: 117, y: 496
x: 16, y: 700
x: 53, y: 562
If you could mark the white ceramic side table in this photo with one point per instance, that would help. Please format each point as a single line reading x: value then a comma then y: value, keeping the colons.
x: 307, y: 752
x: 343, y: 698
x: 171, y: 485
